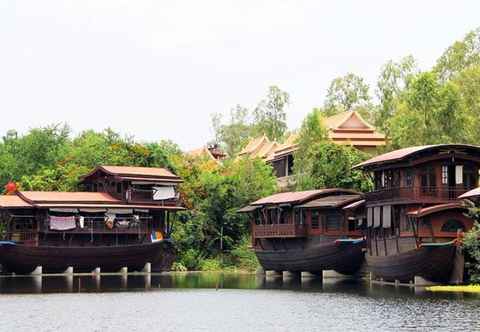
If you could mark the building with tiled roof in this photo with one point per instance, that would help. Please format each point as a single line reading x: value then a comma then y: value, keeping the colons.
x: 347, y: 128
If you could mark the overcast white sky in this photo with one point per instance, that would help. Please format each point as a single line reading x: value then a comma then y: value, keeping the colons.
x: 157, y: 69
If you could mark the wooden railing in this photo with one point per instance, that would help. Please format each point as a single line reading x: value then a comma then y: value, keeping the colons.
x: 278, y: 230
x: 440, y: 194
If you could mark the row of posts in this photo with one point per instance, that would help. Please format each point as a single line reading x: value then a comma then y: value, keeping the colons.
x: 124, y: 270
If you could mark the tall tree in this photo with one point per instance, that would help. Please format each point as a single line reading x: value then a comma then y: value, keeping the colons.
x: 347, y: 93
x: 394, y: 78
x: 232, y: 135
x: 270, y: 115
x: 459, y: 56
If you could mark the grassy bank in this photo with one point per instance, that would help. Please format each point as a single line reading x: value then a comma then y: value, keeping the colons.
x: 459, y: 288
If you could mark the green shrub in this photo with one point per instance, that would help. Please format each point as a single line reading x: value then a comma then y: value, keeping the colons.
x: 210, y: 264
x: 471, y: 245
x: 243, y: 256
x: 179, y: 267
x: 191, y: 259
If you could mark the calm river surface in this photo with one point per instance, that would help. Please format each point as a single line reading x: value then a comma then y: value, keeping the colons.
x: 226, y: 302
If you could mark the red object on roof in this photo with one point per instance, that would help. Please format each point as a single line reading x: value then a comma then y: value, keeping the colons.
x: 11, y: 187
x: 296, y: 197
x: 436, y: 208
x: 402, y: 154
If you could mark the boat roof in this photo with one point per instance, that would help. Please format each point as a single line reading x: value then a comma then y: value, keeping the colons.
x: 332, y: 201
x: 298, y: 197
x: 53, y: 199
x: 474, y: 193
x: 436, y: 208
x: 145, y: 173
x: 13, y: 201
x: 406, y: 153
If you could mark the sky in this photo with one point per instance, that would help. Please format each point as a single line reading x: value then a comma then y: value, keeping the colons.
x: 158, y: 69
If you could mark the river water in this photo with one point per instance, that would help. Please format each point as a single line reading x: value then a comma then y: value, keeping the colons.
x: 226, y: 302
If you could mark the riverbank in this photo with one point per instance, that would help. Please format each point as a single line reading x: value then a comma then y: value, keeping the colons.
x: 459, y: 288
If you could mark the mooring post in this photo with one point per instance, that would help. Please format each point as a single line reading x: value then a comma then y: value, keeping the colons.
x: 147, y: 268
x: 97, y: 271
x: 69, y: 270
x: 38, y: 271
x: 124, y: 270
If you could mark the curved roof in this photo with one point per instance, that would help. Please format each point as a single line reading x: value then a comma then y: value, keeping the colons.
x: 405, y: 153
x: 436, y: 208
x: 331, y: 201
x: 471, y: 194
x: 297, y: 197
x: 147, y: 173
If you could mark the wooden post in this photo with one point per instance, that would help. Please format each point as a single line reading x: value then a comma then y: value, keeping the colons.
x: 147, y: 268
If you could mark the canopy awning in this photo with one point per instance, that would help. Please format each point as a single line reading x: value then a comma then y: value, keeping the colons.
x: 474, y: 193
x: 354, y: 205
x: 436, y: 208
x: 247, y: 209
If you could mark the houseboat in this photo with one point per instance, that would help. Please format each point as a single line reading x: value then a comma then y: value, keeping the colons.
x: 414, y: 215
x: 307, y: 231
x: 123, y: 218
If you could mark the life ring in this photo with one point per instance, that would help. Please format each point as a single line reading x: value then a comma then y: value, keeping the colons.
x: 109, y: 224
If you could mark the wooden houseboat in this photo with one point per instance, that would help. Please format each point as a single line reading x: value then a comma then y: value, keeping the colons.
x: 307, y: 231
x: 123, y: 219
x: 414, y: 215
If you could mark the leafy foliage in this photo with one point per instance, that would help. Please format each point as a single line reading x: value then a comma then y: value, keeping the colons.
x: 270, y: 116
x: 347, y: 93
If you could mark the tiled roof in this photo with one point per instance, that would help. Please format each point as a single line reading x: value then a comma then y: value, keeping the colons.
x: 36, y: 197
x: 295, y: 197
x: 13, y: 201
x: 402, y: 154
x: 331, y: 201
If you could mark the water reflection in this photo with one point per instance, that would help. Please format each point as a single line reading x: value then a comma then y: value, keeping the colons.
x: 149, y: 282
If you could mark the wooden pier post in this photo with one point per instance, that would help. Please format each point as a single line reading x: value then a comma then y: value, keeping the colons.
x: 147, y: 268
x: 69, y: 270
x: 38, y: 271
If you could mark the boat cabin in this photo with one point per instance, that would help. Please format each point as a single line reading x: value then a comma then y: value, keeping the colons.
x: 134, y: 184
x: 415, y: 205
x: 303, y: 214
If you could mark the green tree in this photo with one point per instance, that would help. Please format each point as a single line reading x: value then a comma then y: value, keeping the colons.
x: 459, y: 56
x: 270, y: 115
x: 232, y: 135
x: 394, y: 78
x: 329, y: 165
x: 347, y: 93
x: 429, y: 113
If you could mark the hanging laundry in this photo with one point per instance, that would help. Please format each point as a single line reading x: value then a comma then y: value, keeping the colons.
x: 81, y: 221
x: 62, y: 223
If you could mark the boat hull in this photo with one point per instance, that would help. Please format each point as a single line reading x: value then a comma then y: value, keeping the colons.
x: 21, y: 259
x: 343, y: 258
x: 431, y: 263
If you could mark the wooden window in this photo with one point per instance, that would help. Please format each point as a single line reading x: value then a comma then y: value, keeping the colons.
x: 315, y: 219
x: 408, y: 178
x: 453, y: 226
x: 297, y: 216
x: 444, y: 174
x: 119, y: 187
x: 470, y: 177
x: 334, y: 221
x: 458, y: 174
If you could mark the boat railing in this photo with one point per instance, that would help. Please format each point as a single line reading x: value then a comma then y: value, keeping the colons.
x: 417, y: 193
x: 279, y: 230
x: 99, y: 225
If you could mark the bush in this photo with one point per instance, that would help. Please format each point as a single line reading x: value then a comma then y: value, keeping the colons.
x: 211, y: 264
x: 471, y: 245
x: 191, y: 259
x: 179, y: 267
x: 244, y: 257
